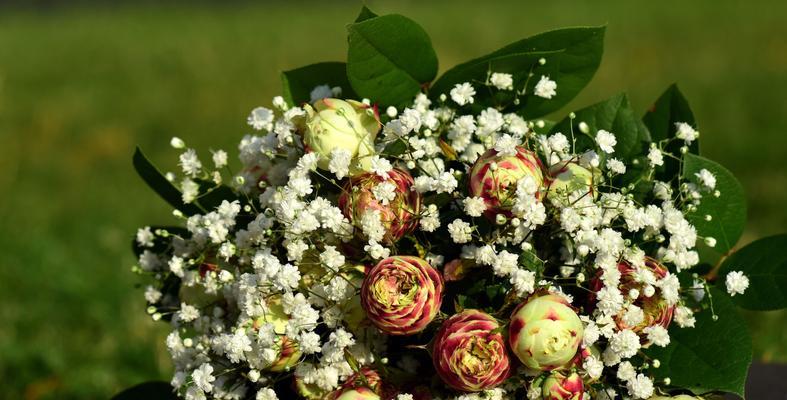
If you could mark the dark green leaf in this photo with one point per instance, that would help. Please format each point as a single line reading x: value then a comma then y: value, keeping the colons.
x: 712, y: 356
x: 365, y: 14
x: 164, y: 188
x: 389, y: 59
x: 661, y: 118
x: 614, y: 115
x: 147, y: 391
x: 298, y: 83
x: 728, y: 211
x: 576, y: 56
x: 530, y: 261
x: 764, y: 262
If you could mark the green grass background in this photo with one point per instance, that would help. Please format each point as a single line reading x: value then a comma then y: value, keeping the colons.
x: 81, y: 86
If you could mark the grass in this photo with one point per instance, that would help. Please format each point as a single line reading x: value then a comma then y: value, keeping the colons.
x: 80, y: 87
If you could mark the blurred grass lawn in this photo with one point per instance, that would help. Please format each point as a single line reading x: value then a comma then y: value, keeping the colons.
x: 80, y: 87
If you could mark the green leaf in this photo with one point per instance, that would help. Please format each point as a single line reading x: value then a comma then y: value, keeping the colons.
x: 164, y: 188
x: 728, y: 211
x: 389, y: 59
x: 298, y: 83
x: 712, y: 356
x: 365, y: 14
x: 576, y: 55
x: 670, y: 108
x: 148, y: 391
x: 614, y: 115
x: 764, y: 262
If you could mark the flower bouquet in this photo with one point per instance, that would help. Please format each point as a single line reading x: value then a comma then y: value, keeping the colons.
x: 389, y: 235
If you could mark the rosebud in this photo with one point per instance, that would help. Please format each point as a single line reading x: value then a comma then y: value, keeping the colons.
x: 570, y: 182
x: 498, y: 187
x: 560, y: 387
x: 469, y: 354
x: 402, y: 294
x: 341, y: 124
x: 360, y: 393
x: 655, y: 309
x: 545, y: 332
x: 288, y: 353
x: 398, y: 216
x: 360, y: 381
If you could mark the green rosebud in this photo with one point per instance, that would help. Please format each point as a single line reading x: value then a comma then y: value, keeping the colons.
x: 545, y: 332
x: 570, y: 182
x: 341, y: 124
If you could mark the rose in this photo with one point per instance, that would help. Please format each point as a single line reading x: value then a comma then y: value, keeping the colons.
x: 570, y: 182
x: 341, y: 124
x: 494, y: 178
x: 545, y: 332
x: 402, y: 294
x: 397, y: 216
x: 468, y: 352
x: 561, y: 387
x: 287, y: 352
x: 655, y: 309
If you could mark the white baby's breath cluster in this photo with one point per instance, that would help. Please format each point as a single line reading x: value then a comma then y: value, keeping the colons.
x: 276, y: 263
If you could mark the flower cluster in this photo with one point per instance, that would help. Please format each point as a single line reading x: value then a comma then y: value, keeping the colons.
x: 354, y: 255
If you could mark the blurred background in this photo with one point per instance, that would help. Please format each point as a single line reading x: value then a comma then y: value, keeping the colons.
x: 82, y: 83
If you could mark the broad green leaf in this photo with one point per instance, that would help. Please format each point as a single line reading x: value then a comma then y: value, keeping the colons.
x: 151, y: 175
x: 728, y: 211
x: 147, y: 391
x: 712, y: 356
x: 476, y: 71
x: 365, y: 14
x: 764, y: 262
x: 613, y: 115
x: 670, y: 108
x: 389, y: 59
x: 575, y: 59
x: 298, y: 83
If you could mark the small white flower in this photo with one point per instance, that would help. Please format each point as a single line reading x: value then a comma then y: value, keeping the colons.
x: 616, y: 166
x: 655, y: 157
x: 430, y: 219
x: 686, y: 132
x: 203, y: 377
x: 145, y: 237
x: 706, y: 178
x: 474, y: 206
x: 658, y: 335
x: 384, y: 192
x: 736, y: 283
x: 220, y: 158
x: 381, y: 166
x: 606, y: 141
x: 506, y: 145
x: 266, y: 394
x: 340, y: 162
x: 189, y: 190
x: 460, y: 231
x: 502, y: 81
x: 463, y: 94
x: 640, y: 387
x: 546, y: 88
x: 190, y: 163
x: 625, y: 343
x: 320, y: 92
x: 261, y: 118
